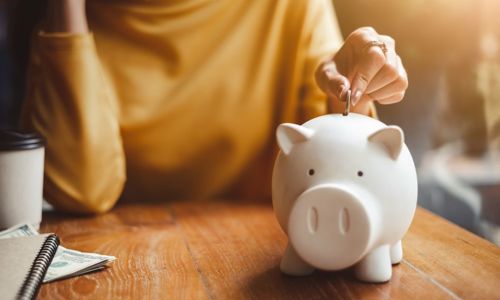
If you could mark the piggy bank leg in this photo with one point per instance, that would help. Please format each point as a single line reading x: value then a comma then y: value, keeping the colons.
x: 292, y: 264
x: 375, y: 266
x: 396, y: 253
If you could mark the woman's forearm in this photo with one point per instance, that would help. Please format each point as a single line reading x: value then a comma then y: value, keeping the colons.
x: 66, y: 16
x: 69, y: 102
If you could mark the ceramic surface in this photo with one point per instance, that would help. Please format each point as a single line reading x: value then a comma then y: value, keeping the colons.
x: 345, y: 192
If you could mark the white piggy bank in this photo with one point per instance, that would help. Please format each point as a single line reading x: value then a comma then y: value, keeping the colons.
x: 345, y: 192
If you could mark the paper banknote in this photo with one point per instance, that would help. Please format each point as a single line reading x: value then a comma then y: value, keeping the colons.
x: 66, y: 262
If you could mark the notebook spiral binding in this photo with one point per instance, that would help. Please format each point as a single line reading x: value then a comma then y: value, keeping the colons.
x: 42, y: 262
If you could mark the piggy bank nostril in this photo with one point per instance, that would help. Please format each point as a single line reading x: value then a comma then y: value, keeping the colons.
x: 344, y: 221
x: 312, y: 219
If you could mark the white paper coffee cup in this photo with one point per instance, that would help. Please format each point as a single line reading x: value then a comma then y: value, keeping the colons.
x: 21, y: 178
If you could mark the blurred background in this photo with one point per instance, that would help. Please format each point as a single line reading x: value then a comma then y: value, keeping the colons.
x: 451, y: 112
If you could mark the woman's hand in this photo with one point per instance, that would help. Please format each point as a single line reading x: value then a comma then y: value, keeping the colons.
x: 368, y: 65
x: 66, y: 16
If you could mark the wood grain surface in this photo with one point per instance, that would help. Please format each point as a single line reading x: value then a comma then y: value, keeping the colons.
x: 232, y: 249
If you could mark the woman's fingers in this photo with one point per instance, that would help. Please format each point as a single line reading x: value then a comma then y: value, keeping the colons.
x: 331, y: 81
x: 368, y: 65
x: 389, y: 72
x: 397, y: 87
x: 394, y: 98
x: 371, y: 59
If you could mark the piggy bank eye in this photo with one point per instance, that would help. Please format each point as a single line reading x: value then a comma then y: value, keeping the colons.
x: 310, y: 172
x: 360, y: 173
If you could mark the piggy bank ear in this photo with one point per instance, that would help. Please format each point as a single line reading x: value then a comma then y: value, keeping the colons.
x: 288, y: 135
x: 391, y: 138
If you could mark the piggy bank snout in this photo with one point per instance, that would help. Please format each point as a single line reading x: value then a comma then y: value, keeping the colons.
x: 331, y: 227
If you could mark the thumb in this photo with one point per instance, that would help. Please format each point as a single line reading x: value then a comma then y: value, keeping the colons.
x: 331, y: 82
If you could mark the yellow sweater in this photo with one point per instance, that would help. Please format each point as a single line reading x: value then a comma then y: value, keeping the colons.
x: 174, y: 99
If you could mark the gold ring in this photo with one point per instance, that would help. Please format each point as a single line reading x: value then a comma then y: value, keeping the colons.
x: 379, y: 44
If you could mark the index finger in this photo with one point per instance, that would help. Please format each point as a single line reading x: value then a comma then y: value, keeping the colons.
x: 371, y: 61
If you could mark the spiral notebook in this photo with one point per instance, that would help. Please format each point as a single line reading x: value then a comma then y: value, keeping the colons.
x: 23, y: 264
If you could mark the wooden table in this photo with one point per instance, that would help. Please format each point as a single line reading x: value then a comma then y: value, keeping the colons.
x: 231, y: 250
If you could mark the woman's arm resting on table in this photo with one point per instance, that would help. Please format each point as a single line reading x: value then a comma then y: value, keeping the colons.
x: 72, y: 106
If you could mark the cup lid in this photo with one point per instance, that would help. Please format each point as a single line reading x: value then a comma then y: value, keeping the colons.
x: 14, y: 140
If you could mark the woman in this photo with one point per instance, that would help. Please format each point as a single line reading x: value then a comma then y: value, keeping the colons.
x: 179, y: 99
